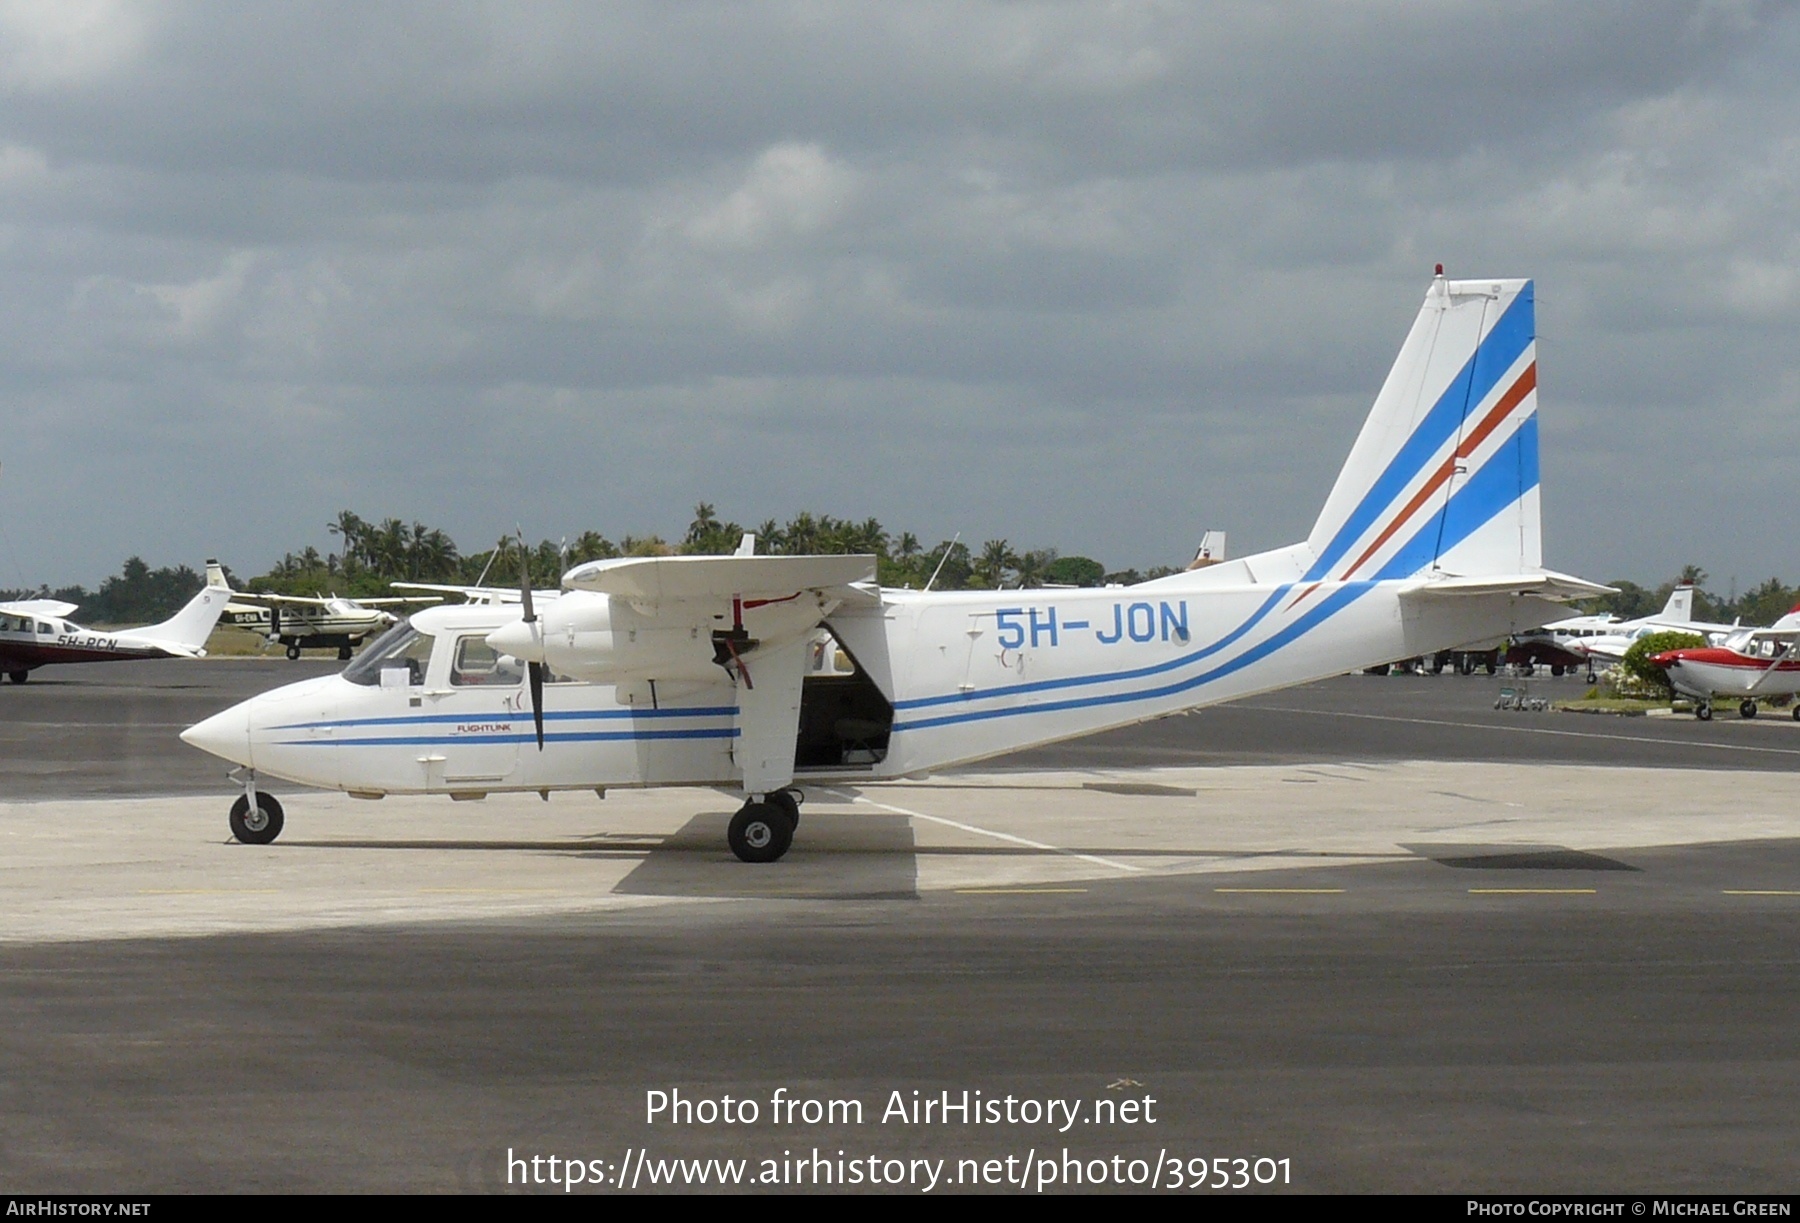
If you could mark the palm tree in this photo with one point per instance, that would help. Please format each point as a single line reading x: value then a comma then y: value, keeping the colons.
x: 996, y: 558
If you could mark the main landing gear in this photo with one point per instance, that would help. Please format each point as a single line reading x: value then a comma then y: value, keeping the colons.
x: 19, y: 676
x: 293, y: 653
x: 763, y: 831
x: 1747, y: 709
x: 1703, y: 711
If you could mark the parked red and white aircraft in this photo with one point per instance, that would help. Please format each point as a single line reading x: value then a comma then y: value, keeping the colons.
x: 707, y: 670
x: 1749, y: 663
x: 34, y: 632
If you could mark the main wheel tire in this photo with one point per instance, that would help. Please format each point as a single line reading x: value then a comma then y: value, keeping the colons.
x: 1592, y: 678
x: 1747, y: 709
x: 1556, y: 669
x: 760, y: 832
x: 1703, y: 711
x: 1466, y: 666
x: 293, y: 653
x: 1493, y: 666
x: 260, y: 827
x: 789, y: 801
x: 343, y: 653
x: 1797, y: 711
x: 18, y: 677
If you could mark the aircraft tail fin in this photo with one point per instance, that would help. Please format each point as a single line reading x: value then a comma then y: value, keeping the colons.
x: 1443, y: 478
x: 187, y: 630
x: 215, y: 574
x: 1680, y: 607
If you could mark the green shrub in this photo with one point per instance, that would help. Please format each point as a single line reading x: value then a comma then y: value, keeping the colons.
x: 1637, y: 662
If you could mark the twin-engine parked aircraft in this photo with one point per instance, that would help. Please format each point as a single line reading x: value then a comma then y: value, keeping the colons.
x: 300, y: 622
x: 34, y: 633
x: 1749, y: 663
x: 751, y: 673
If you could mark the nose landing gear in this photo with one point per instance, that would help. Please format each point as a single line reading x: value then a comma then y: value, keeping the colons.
x: 256, y: 818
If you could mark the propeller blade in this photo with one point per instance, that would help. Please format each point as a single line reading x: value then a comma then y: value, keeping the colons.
x: 534, y: 673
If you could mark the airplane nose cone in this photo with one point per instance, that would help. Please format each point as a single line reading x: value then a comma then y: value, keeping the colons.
x: 226, y: 735
x: 519, y: 639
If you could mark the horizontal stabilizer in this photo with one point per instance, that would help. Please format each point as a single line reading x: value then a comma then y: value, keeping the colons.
x: 1544, y: 584
x: 655, y: 578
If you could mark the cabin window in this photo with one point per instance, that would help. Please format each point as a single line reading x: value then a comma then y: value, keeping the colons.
x: 477, y: 664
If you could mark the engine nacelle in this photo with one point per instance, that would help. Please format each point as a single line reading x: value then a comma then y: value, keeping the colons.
x: 604, y: 639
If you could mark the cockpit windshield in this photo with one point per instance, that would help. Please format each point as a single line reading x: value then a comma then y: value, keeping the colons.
x: 402, y: 646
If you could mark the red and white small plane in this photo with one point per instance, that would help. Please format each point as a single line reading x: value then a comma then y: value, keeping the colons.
x: 1749, y: 663
x: 34, y: 632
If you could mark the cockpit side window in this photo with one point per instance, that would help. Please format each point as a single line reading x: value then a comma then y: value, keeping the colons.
x: 402, y: 646
x: 477, y: 664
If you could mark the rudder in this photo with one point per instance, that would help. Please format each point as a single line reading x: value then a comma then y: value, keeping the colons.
x: 1444, y: 474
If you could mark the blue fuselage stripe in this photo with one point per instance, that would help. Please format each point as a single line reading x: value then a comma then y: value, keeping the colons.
x: 550, y: 715
x: 529, y: 736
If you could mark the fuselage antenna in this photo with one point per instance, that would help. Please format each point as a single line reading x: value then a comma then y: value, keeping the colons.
x: 942, y: 559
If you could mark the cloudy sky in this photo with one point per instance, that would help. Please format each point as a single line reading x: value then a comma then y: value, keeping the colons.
x: 1091, y: 276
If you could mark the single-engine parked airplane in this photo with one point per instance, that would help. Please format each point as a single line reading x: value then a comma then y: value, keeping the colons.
x: 302, y: 622
x: 34, y: 633
x: 1751, y: 662
x: 725, y: 671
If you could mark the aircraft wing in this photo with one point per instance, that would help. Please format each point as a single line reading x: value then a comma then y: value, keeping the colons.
x: 396, y: 601
x: 1545, y: 584
x: 263, y: 597
x: 653, y: 579
x: 474, y: 594
x: 40, y: 607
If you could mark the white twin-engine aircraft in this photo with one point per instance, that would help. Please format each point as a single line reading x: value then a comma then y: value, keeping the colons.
x: 754, y: 673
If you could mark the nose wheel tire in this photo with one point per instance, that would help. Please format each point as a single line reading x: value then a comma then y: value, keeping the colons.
x: 257, y: 827
x: 760, y: 832
x: 1703, y: 711
x: 1747, y: 709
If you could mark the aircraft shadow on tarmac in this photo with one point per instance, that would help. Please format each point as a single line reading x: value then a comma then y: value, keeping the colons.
x: 861, y: 857
x: 1517, y: 858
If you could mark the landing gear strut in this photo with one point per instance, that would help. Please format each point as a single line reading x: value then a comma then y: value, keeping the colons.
x: 761, y: 831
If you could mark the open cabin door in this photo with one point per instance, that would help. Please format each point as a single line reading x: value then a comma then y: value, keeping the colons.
x: 844, y: 718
